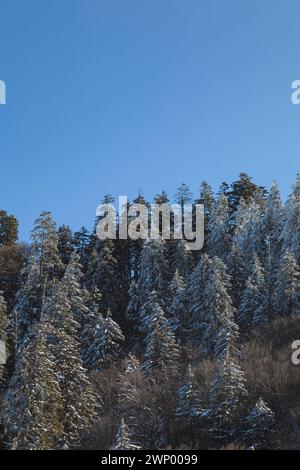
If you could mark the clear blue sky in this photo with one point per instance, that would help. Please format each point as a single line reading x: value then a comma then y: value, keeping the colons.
x: 121, y: 95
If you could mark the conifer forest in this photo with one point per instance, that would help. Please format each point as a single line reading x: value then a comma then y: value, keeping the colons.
x: 145, y: 344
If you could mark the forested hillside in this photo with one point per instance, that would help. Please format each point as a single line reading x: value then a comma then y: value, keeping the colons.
x: 129, y: 344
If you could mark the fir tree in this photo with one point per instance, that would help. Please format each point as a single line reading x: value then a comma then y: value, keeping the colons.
x: 104, y: 340
x: 44, y: 244
x: 218, y: 243
x: 78, y: 297
x: 161, y: 349
x: 227, y: 396
x: 179, y: 309
x: 253, y: 308
x: 124, y: 439
x: 286, y: 297
x: 3, y: 336
x: 8, y: 229
x: 258, y: 425
x: 78, y: 399
x: 32, y: 407
x: 189, y: 400
x: 65, y: 243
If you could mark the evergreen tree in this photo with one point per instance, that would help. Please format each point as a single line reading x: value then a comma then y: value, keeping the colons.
x: 227, y: 396
x: 195, y: 292
x: 154, y: 273
x: 28, y: 302
x: 103, y: 340
x: 286, y: 297
x: 65, y: 243
x: 244, y: 189
x: 217, y: 311
x: 32, y: 407
x: 3, y: 337
x: 161, y: 350
x: 124, y: 439
x: 207, y: 199
x: 44, y: 244
x: 79, y: 403
x: 290, y: 231
x: 78, y: 297
x: 189, y: 400
x: 179, y: 309
x: 238, y: 274
x: 218, y: 242
x: 8, y: 229
x: 259, y: 424
x: 253, y: 308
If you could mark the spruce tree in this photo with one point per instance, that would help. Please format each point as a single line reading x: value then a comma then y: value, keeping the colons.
x: 78, y: 297
x: 32, y: 407
x: 103, y: 340
x: 227, y: 396
x: 259, y: 425
x: 195, y: 292
x: 3, y: 337
x: 179, y: 309
x: 253, y: 309
x: 189, y: 399
x: 124, y: 439
x: 161, y: 350
x: 8, y: 229
x: 218, y: 242
x: 65, y: 243
x: 79, y: 403
x: 286, y: 296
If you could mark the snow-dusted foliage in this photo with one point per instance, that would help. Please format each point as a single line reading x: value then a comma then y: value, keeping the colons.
x: 123, y: 438
x: 161, y: 350
x: 253, y: 308
x: 3, y: 336
x: 100, y: 330
x: 258, y: 425
x: 189, y: 398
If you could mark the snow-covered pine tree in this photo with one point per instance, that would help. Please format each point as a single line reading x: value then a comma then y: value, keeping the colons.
x: 248, y: 234
x: 81, y: 244
x: 154, y: 273
x: 27, y: 305
x: 286, y: 296
x: 3, y: 336
x: 65, y: 243
x: 290, y: 234
x: 219, y: 240
x: 78, y: 297
x: 79, y: 403
x: 180, y: 258
x: 253, y: 309
x: 238, y: 274
x: 258, y: 425
x: 44, y: 244
x: 132, y: 315
x: 189, y: 400
x: 123, y: 440
x: 161, y: 350
x: 195, y: 292
x: 103, y: 341
x: 219, y: 314
x: 31, y: 412
x: 179, y: 309
x: 207, y: 199
x: 131, y: 404
x: 227, y: 395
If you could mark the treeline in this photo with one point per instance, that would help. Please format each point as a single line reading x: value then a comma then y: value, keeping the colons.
x: 144, y: 344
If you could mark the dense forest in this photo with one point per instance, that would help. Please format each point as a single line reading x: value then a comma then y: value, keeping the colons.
x: 129, y: 344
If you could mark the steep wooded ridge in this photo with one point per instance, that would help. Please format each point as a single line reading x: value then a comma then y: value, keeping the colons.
x: 129, y: 344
